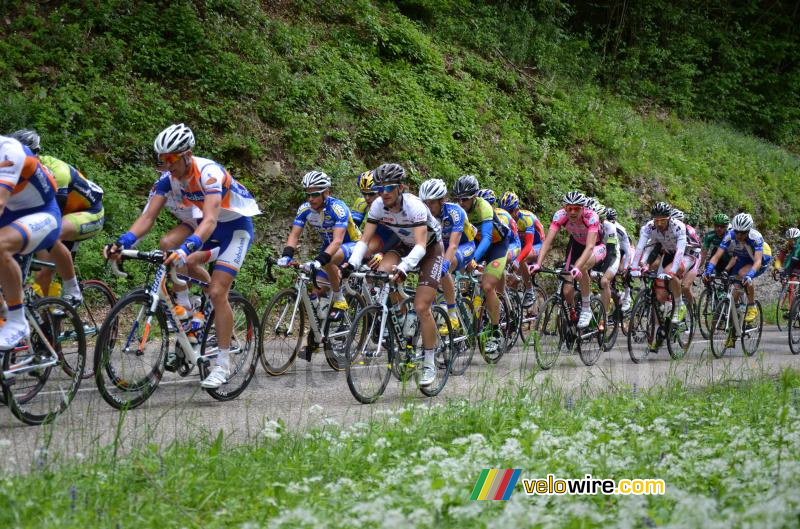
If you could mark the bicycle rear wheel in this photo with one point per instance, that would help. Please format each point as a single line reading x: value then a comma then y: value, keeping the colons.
x: 130, y: 351
x: 36, y: 383
x: 336, y: 333
x: 705, y: 305
x: 548, y: 339
x: 506, y: 328
x: 443, y: 353
x: 370, y: 354
x: 98, y: 300
x: 281, y: 331
x: 679, y: 335
x: 613, y: 324
x: 243, y: 355
x: 721, y: 329
x: 591, y: 340
x: 515, y: 318
x: 751, y: 332
x: 530, y: 315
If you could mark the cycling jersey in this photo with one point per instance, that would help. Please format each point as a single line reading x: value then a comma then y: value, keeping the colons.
x: 488, y: 228
x: 672, y: 241
x: 413, y: 213
x: 171, y: 190
x: 789, y: 257
x: 587, y: 223
x: 334, y: 214
x: 527, y: 222
x: 626, y: 255
x: 30, y: 183
x: 74, y: 191
x: 513, y: 234
x: 207, y: 177
x: 745, y: 250
x: 359, y: 212
x: 453, y: 218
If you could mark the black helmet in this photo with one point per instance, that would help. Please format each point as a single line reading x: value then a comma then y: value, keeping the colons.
x: 611, y: 214
x: 661, y: 209
x: 466, y: 187
x: 390, y: 173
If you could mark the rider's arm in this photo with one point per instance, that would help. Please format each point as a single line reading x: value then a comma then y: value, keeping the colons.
x: 680, y: 249
x: 294, y: 238
x: 486, y: 240
x: 526, y: 246
x: 336, y: 242
x: 757, y: 260
x: 717, y: 256
x: 644, y: 238
x: 455, y: 238
x: 361, y: 246
x: 211, y: 208
x: 591, y: 239
x: 144, y: 223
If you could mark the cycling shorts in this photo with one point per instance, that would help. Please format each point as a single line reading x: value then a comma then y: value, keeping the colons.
x: 496, y: 258
x: 346, y: 247
x: 575, y: 250
x: 609, y: 264
x: 513, y: 252
x: 233, y: 239
x: 40, y: 227
x: 430, y: 266
x: 387, y: 237
x: 741, y: 263
x: 86, y: 223
x: 464, y: 254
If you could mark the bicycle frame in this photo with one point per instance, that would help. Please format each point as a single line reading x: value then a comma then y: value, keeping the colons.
x: 732, y: 285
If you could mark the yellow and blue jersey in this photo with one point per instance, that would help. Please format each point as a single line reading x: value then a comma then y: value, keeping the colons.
x: 334, y: 214
x: 75, y: 192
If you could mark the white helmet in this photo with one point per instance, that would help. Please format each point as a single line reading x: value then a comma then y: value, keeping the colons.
x: 316, y: 179
x: 792, y: 233
x: 174, y: 139
x: 433, y: 189
x: 677, y: 214
x: 742, y: 222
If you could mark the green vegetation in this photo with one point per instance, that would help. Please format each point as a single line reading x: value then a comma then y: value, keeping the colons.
x: 511, y: 91
x: 728, y: 455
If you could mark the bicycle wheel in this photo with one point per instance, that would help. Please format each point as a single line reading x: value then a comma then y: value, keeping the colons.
x: 370, y: 354
x: 36, y: 385
x: 785, y: 299
x: 613, y: 324
x: 465, y: 339
x: 282, y: 329
x: 403, y: 371
x: 549, y: 335
x: 705, y: 305
x: 751, y: 332
x: 794, y: 327
x: 514, y: 302
x: 643, y: 328
x: 98, y: 300
x: 679, y: 335
x: 443, y: 353
x: 530, y: 315
x: 506, y: 328
x: 130, y: 351
x: 243, y: 349
x: 336, y: 332
x: 721, y: 328
x: 591, y: 340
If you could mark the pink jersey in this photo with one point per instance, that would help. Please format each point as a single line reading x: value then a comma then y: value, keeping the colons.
x: 587, y: 223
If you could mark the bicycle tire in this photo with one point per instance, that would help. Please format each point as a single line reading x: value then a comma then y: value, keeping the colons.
x: 123, y: 387
x: 59, y: 326
x: 463, y: 354
x: 515, y: 318
x: 364, y: 361
x: 244, y: 348
x: 613, y: 324
x: 98, y: 300
x: 591, y: 340
x: 703, y: 316
x: 336, y: 332
x: 642, y: 330
x: 530, y: 315
x: 720, y: 328
x: 278, y: 364
x: 785, y: 297
x: 679, y: 335
x: 751, y: 332
x: 794, y: 327
x: 505, y: 330
x: 443, y: 353
x: 549, y: 335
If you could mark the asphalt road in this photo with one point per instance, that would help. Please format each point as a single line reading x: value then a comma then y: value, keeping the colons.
x: 312, y: 394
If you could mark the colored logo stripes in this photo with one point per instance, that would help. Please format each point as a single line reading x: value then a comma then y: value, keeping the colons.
x: 495, y: 484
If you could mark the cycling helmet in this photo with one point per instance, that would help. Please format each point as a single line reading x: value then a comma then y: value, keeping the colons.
x: 677, y: 214
x: 174, y: 139
x: 366, y: 182
x: 488, y: 195
x: 611, y: 214
x: 592, y: 203
x: 720, y: 219
x: 509, y: 201
x: 433, y: 189
x: 661, y: 209
x: 27, y: 137
x: 316, y: 179
x: 742, y: 222
x: 466, y: 187
x: 792, y: 233
x: 390, y: 173
x: 600, y: 209
x: 574, y: 198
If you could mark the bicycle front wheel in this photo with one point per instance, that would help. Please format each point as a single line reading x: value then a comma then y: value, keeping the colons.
x: 530, y: 315
x: 548, y: 338
x: 443, y: 352
x: 794, y: 327
x: 721, y: 329
x: 37, y: 385
x: 98, y: 300
x: 680, y: 334
x: 751, y: 332
x: 643, y: 328
x: 130, y: 351
x: 370, y: 354
x: 282, y: 330
x: 705, y: 305
x: 243, y: 350
x: 465, y: 339
x: 785, y: 299
x: 591, y: 340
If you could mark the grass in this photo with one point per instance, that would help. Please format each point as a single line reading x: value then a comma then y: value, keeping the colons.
x: 729, y: 454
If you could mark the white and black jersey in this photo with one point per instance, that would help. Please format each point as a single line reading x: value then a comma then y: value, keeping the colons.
x: 413, y: 213
x: 671, y: 241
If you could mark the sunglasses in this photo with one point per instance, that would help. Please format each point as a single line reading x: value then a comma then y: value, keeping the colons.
x: 737, y: 232
x: 314, y: 194
x: 573, y: 209
x: 465, y: 199
x: 171, y: 158
x: 386, y: 189
x: 370, y: 194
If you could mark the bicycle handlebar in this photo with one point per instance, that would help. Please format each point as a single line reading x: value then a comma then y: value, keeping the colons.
x: 155, y: 257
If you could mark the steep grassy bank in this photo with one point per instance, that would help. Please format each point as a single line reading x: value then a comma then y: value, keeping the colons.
x: 445, y: 87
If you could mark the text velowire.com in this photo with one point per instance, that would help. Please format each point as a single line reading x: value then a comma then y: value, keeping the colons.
x: 588, y: 485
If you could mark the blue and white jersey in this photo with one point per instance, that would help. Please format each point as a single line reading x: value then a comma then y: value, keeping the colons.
x: 334, y: 214
x: 747, y: 249
x: 453, y: 218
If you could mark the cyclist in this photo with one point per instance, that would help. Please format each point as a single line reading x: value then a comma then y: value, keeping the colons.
x: 691, y: 257
x: 788, y: 260
x: 419, y: 244
x: 492, y: 247
x: 584, y: 249
x: 82, y: 216
x: 712, y: 238
x: 227, y: 210
x: 609, y: 266
x: 531, y: 234
x: 626, y: 251
x: 332, y: 219
x: 752, y: 254
x: 458, y: 236
x: 29, y: 221
x: 669, y: 235
x: 385, y: 237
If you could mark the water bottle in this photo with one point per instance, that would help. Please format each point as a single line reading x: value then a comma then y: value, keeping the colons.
x: 410, y: 324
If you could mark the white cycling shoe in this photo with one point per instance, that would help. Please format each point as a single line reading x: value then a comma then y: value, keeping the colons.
x: 218, y: 376
x: 12, y: 332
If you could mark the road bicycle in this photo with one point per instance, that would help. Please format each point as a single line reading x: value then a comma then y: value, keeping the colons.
x: 728, y: 321
x: 786, y: 299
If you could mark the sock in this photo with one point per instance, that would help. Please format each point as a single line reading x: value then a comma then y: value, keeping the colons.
x: 15, y: 312
x: 338, y: 295
x: 71, y: 286
x: 183, y: 299
x: 429, y: 356
x: 679, y: 302
x: 224, y: 358
x: 585, y: 301
x: 451, y: 310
